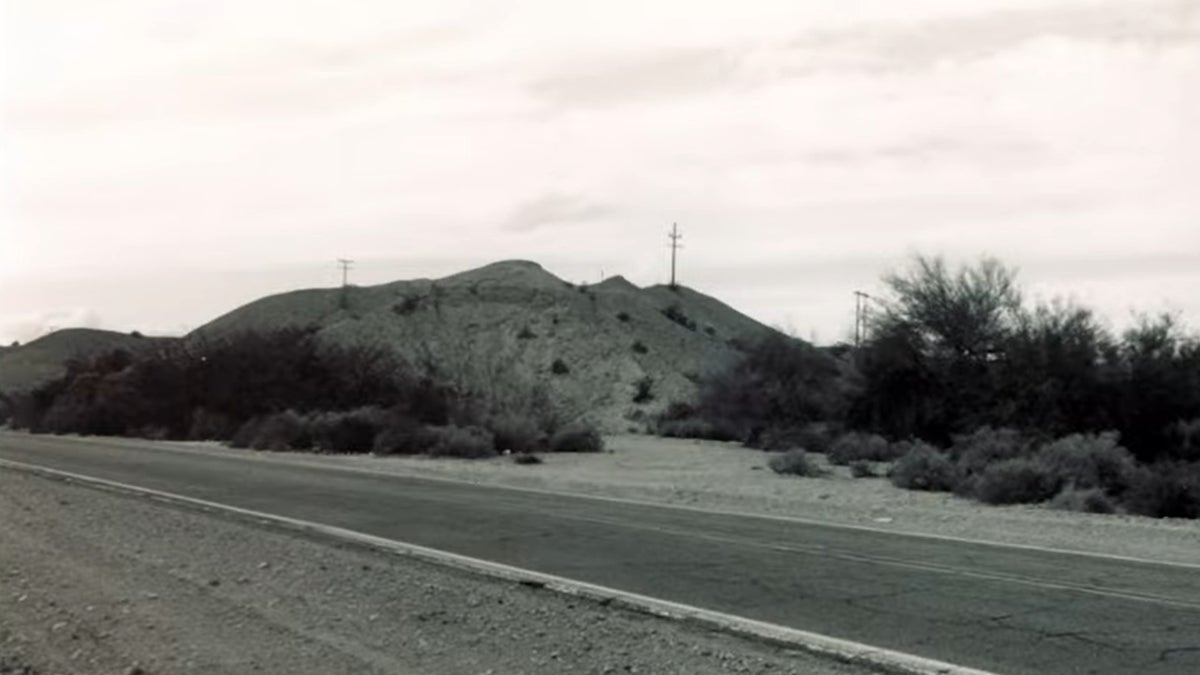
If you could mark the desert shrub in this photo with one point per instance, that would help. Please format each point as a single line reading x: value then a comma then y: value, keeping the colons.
x: 985, y: 446
x: 861, y: 468
x: 516, y: 434
x: 577, y: 437
x: 559, y: 367
x: 244, y: 436
x: 643, y: 390
x: 816, y: 437
x: 778, y: 386
x: 526, y: 334
x: 282, y: 431
x: 1015, y: 481
x: 924, y: 467
x: 348, y: 432
x: 855, y: 446
x: 794, y: 463
x: 464, y: 442
x: 403, y: 436
x: 1185, y: 439
x: 1165, y: 490
x: 1089, y: 461
x: 675, y: 313
x: 623, y: 317
x: 1091, y: 500
x: 209, y: 425
x: 407, y: 306
x: 526, y: 458
x: 712, y: 332
x: 639, y: 347
x: 696, y: 427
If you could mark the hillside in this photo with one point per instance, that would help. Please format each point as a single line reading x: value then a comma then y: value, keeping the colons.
x: 506, y: 324
x: 27, y: 366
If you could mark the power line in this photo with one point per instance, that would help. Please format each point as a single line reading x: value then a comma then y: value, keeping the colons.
x: 674, y: 236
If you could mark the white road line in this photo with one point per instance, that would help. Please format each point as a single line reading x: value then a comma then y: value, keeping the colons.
x: 842, y: 650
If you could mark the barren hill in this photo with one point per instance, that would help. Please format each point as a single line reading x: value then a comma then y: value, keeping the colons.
x: 511, y: 323
x: 27, y: 366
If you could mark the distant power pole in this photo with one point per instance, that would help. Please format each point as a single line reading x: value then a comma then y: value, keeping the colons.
x: 346, y: 266
x: 861, y: 308
x: 674, y: 236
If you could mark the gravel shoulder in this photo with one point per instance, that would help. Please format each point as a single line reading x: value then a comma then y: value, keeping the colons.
x: 95, y: 582
x: 728, y: 477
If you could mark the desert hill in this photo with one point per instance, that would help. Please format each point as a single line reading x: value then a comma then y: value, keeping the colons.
x: 27, y: 366
x: 612, y: 351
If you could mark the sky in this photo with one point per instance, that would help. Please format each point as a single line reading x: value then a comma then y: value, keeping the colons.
x: 165, y: 161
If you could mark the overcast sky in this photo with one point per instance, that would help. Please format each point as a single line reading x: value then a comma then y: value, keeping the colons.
x: 167, y: 160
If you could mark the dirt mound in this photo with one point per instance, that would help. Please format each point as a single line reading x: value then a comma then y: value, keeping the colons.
x: 28, y: 366
x: 510, y: 324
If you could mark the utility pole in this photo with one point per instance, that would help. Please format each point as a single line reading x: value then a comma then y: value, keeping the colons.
x: 346, y: 264
x: 674, y: 236
x: 861, y: 309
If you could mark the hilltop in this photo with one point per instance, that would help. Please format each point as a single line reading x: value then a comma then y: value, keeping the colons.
x: 611, y: 352
x: 27, y: 366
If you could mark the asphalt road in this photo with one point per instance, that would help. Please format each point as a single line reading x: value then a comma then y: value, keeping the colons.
x: 997, y: 608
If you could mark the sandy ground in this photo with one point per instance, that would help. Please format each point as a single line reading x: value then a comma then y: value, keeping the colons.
x: 98, y: 583
x: 728, y: 477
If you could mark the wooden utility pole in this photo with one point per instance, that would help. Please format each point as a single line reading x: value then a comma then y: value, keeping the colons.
x: 674, y: 236
x: 346, y: 265
x: 861, y: 309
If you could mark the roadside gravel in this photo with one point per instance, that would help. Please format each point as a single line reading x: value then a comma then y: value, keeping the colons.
x: 96, y: 583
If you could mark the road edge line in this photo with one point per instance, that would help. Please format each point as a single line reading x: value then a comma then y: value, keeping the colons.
x: 846, y: 651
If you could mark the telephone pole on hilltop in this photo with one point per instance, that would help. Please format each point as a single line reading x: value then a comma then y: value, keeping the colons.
x: 861, y: 309
x: 674, y: 236
x: 346, y: 265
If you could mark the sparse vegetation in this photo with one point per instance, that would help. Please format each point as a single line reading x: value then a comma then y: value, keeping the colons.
x: 623, y: 317
x: 924, y: 467
x: 644, y: 390
x: 639, y: 347
x: 794, y: 463
x: 287, y: 391
x: 559, y: 367
x: 675, y: 313
x: 577, y: 438
x: 526, y: 334
x: 859, y: 446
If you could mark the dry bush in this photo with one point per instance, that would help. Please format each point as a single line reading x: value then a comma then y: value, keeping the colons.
x: 1016, y: 481
x: 861, y: 468
x: 924, y: 467
x: 526, y: 458
x: 1091, y: 500
x: 577, y: 438
x: 860, y: 446
x: 282, y: 431
x: 516, y: 434
x: 463, y: 442
x: 794, y: 463
x: 1089, y: 461
x: 1165, y: 490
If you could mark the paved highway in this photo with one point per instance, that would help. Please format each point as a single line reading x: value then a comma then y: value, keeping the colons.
x: 998, y: 608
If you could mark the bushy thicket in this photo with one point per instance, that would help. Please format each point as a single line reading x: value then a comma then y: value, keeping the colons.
x: 286, y: 390
x: 958, y: 359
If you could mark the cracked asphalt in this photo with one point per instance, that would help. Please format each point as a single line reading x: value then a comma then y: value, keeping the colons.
x: 999, y: 608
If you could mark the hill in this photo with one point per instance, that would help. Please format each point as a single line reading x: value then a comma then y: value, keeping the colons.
x: 612, y: 352
x: 26, y: 366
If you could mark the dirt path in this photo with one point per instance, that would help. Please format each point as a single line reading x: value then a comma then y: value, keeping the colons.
x: 92, y: 582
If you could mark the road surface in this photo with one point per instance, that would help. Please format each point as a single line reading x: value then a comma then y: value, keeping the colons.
x: 1009, y: 610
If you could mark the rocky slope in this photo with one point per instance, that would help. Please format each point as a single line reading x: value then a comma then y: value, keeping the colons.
x: 506, y: 325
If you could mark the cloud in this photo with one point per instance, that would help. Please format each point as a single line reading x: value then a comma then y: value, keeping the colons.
x: 640, y: 76
x: 554, y: 209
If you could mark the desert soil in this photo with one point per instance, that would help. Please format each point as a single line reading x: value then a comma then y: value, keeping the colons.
x: 93, y: 582
x: 728, y: 477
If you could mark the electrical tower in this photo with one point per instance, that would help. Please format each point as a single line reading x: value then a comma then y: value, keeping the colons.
x: 674, y: 236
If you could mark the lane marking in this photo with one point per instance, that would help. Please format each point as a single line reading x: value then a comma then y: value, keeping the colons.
x: 299, y: 460
x: 846, y: 651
